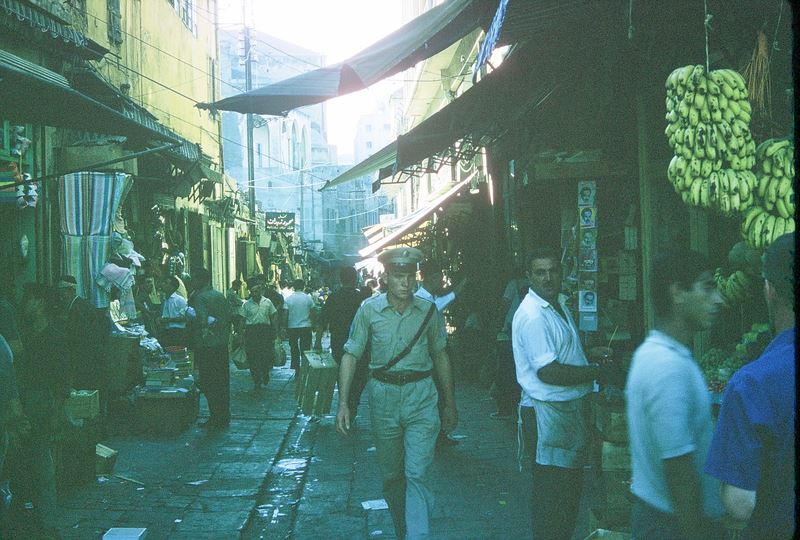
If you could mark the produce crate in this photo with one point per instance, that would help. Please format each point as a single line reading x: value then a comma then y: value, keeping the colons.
x: 165, y: 411
x: 105, y: 459
x: 318, y: 379
x: 615, y: 457
x: 82, y: 404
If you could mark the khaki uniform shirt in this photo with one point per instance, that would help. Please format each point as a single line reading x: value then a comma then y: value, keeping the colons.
x: 378, y: 325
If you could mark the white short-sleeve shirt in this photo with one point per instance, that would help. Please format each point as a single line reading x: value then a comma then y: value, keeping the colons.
x: 174, y: 307
x: 539, y: 335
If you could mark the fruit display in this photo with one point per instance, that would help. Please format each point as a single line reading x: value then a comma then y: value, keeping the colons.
x: 708, y: 127
x: 718, y: 365
x: 734, y: 288
x: 773, y: 214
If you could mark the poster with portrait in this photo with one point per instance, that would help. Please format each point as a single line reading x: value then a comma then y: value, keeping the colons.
x: 587, y: 217
x: 588, y: 238
x: 587, y: 301
x: 586, y: 192
x: 587, y: 259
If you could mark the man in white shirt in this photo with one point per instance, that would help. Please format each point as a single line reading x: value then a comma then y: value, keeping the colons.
x: 299, y: 306
x: 259, y: 335
x: 555, y: 377
x: 173, y: 314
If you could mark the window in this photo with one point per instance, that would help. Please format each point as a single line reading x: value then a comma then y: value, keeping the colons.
x: 368, y: 128
x: 369, y: 145
x: 114, y: 22
x: 186, y: 11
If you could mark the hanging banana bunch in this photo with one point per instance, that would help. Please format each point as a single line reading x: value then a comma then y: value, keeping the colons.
x: 734, y: 289
x: 773, y: 214
x: 708, y: 127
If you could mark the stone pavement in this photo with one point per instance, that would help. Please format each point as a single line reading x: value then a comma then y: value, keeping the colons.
x: 278, y: 474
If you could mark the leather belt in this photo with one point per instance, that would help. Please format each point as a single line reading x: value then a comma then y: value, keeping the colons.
x: 400, y: 377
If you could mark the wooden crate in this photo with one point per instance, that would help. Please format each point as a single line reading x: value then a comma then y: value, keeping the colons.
x: 82, y: 404
x: 166, y: 412
x: 318, y: 373
x: 105, y: 459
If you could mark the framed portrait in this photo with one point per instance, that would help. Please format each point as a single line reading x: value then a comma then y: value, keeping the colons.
x: 587, y: 217
x: 586, y: 192
x: 587, y: 301
x: 588, y: 238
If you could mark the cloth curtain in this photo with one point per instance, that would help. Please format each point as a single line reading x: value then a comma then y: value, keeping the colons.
x: 88, y: 202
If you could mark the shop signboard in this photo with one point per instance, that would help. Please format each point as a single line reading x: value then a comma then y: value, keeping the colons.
x: 280, y: 221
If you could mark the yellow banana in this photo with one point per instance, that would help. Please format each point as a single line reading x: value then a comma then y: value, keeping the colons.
x: 706, y: 167
x: 744, y: 185
x: 763, y: 182
x: 789, y: 226
x: 754, y: 232
x: 695, y: 191
x: 788, y: 201
x: 713, y: 187
x: 779, y: 228
x: 766, y: 230
x: 780, y: 206
x: 749, y: 216
x: 784, y: 186
x: 775, y: 146
x: 772, y: 194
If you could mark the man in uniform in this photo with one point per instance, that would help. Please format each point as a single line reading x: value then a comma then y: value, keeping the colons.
x: 403, y: 398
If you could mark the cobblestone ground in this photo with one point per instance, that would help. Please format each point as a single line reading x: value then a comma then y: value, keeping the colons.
x: 277, y: 474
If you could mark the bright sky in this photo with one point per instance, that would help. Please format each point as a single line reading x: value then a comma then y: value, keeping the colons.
x: 336, y: 28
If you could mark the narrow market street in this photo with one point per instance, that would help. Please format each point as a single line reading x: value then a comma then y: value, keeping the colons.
x: 275, y: 473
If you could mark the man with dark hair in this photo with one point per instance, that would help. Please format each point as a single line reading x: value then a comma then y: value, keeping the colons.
x: 752, y: 452
x: 555, y: 378
x: 43, y: 385
x: 259, y: 335
x: 299, y: 305
x: 407, y: 342
x: 669, y: 408
x: 173, y: 314
x: 337, y: 315
x: 210, y: 331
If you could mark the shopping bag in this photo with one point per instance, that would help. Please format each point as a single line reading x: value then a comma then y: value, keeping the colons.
x: 239, y: 358
x: 280, y: 354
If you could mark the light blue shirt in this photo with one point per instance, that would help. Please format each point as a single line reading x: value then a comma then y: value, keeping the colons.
x: 669, y: 415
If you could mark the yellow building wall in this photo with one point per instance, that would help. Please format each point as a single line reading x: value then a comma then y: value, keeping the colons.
x: 165, y: 64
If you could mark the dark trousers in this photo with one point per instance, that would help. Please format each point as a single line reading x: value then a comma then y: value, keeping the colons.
x: 556, y: 497
x: 507, y: 391
x: 299, y: 341
x: 258, y: 344
x: 173, y: 337
x: 652, y: 524
x: 215, y: 381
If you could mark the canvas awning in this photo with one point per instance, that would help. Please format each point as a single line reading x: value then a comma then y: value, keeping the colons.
x: 385, y: 157
x: 30, y: 93
x: 431, y: 32
x: 403, y: 225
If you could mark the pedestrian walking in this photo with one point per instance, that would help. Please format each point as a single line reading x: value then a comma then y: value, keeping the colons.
x: 337, y: 315
x: 210, y: 332
x: 298, y: 306
x: 555, y: 378
x: 407, y: 341
x: 506, y: 388
x: 669, y: 408
x: 432, y: 290
x: 752, y: 452
x: 259, y: 315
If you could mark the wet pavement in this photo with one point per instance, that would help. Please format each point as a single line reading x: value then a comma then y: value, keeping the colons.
x: 276, y: 474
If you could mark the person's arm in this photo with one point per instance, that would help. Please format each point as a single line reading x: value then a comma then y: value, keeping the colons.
x: 683, y: 484
x: 739, y: 503
x: 347, y: 370
x: 564, y: 375
x: 441, y: 363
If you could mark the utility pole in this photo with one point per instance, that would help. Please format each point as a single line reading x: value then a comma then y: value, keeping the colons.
x: 248, y: 85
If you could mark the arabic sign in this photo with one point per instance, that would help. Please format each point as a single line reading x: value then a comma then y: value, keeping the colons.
x: 280, y: 221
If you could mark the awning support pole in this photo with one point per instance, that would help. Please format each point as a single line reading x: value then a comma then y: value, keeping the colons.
x: 135, y: 155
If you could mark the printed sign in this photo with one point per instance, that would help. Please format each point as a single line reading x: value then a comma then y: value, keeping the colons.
x: 280, y: 221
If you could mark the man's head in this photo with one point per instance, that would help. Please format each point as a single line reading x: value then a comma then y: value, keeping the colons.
x: 586, y: 215
x: 432, y: 276
x: 169, y: 285
x: 372, y: 283
x: 401, y: 271
x: 298, y: 285
x: 779, y: 276
x: 588, y: 298
x: 236, y: 285
x: 67, y: 288
x: 37, y: 303
x: 348, y: 276
x: 256, y: 288
x: 544, y: 273
x: 586, y: 194
x: 683, y: 288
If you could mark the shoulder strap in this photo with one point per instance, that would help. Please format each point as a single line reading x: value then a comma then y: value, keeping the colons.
x: 391, y: 363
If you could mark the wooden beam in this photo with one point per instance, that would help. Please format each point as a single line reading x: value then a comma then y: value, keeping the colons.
x: 647, y: 206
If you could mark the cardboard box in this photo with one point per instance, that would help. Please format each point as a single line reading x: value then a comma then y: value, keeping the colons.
x: 125, y: 533
x: 105, y: 460
x: 82, y: 404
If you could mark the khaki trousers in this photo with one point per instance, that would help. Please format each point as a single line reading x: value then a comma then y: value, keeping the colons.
x: 405, y: 423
